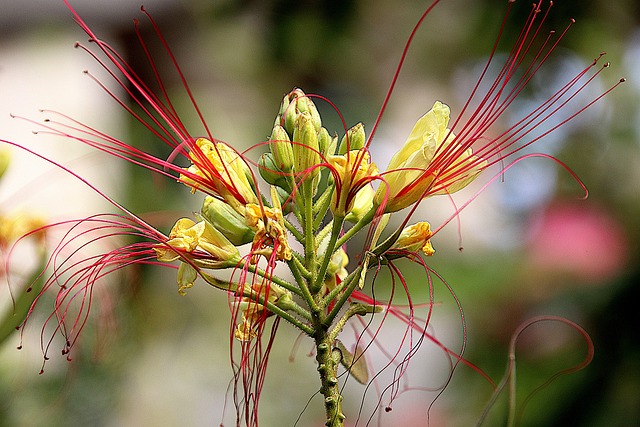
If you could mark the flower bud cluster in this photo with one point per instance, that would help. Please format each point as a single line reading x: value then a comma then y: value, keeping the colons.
x: 320, y: 179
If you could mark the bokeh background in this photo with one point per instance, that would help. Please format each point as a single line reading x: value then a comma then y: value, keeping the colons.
x: 531, y: 246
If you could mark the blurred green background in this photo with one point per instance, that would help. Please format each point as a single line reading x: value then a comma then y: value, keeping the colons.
x: 152, y: 358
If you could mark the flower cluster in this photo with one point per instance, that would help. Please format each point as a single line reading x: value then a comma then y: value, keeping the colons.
x: 282, y: 225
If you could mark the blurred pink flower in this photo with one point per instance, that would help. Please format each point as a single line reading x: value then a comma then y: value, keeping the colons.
x: 579, y: 240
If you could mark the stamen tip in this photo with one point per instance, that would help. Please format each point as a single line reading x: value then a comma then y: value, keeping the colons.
x: 76, y: 45
x: 623, y: 79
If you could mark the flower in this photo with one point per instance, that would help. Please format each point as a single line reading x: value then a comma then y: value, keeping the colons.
x: 414, y: 238
x: 431, y: 161
x: 270, y: 233
x: 226, y: 220
x: 352, y: 172
x: 220, y: 164
x: 337, y: 269
x: 254, y: 313
x: 187, y: 236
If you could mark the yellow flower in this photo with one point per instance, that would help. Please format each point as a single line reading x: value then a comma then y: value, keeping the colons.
x: 353, y: 169
x: 337, y: 269
x: 17, y: 225
x: 187, y: 236
x: 361, y: 204
x: 268, y: 224
x: 186, y: 276
x: 432, y: 161
x: 221, y: 169
x: 414, y: 238
x: 253, y: 313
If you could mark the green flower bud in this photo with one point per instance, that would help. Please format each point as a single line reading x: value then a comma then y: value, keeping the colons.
x: 305, y: 148
x: 291, y: 110
x: 281, y: 149
x: 226, y: 220
x: 270, y: 172
x: 304, y: 104
x: 324, y: 141
x: 354, y: 139
x: 284, y: 105
x: 333, y: 145
x: 283, y: 197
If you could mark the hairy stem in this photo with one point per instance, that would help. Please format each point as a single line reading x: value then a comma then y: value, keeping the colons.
x: 328, y: 360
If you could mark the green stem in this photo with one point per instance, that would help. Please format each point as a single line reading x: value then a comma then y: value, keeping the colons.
x: 328, y: 360
x: 297, y: 262
x: 328, y: 253
x: 340, y: 288
x: 309, y: 241
x: 275, y: 279
x: 293, y: 230
x: 275, y: 309
x: 343, y: 298
x: 298, y: 272
x: 355, y: 309
x: 366, y: 219
x: 322, y: 206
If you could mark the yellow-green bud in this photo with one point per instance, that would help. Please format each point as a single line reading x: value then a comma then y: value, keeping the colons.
x: 333, y: 145
x: 361, y: 205
x: 283, y: 197
x: 280, y: 146
x: 290, y: 109
x: 270, y: 172
x: 305, y: 147
x: 354, y: 139
x: 226, y: 220
x: 324, y: 141
x: 284, y: 105
x: 304, y: 104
